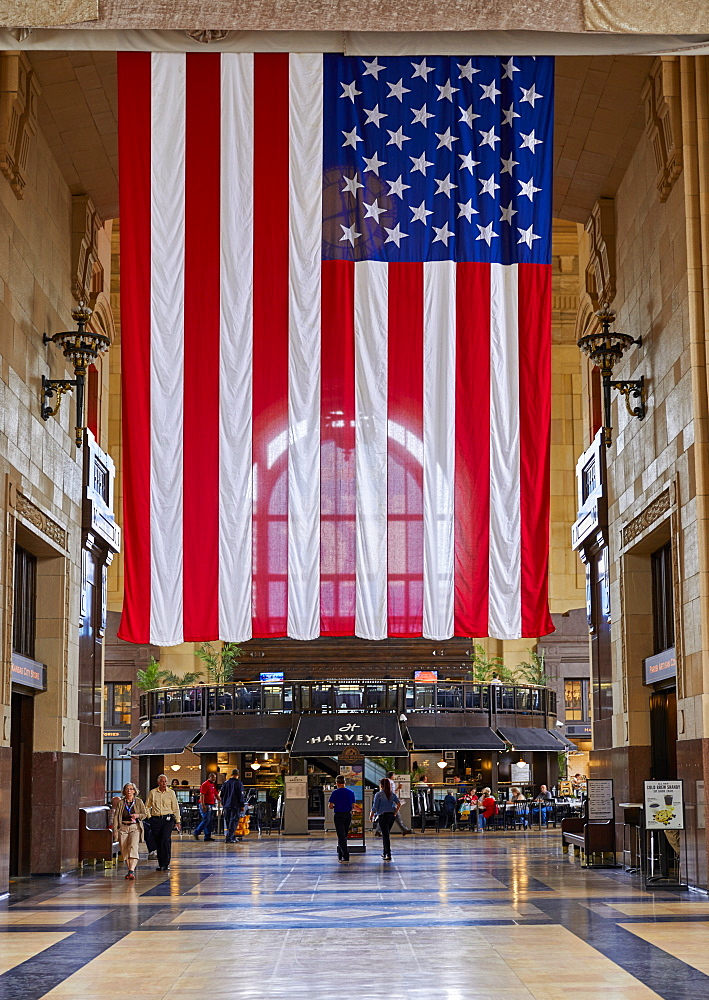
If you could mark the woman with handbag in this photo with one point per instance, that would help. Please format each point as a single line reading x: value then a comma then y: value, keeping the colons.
x: 127, y: 823
x: 385, y: 806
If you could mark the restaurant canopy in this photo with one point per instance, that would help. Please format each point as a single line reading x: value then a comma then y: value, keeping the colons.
x: 263, y: 740
x: 170, y: 741
x: 565, y: 741
x: 453, y: 738
x: 527, y: 739
x: 328, y: 735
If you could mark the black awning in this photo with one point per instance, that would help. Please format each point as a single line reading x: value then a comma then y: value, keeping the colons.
x: 564, y: 740
x: 454, y: 738
x: 136, y: 740
x: 170, y: 741
x: 531, y: 739
x: 327, y: 735
x: 271, y: 740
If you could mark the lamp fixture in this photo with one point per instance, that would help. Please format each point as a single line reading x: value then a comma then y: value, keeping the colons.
x: 521, y: 762
x: 605, y: 348
x: 174, y: 767
x: 81, y: 347
x: 443, y: 764
x: 255, y: 766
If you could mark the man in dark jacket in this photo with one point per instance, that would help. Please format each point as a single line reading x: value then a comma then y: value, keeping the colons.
x: 232, y: 795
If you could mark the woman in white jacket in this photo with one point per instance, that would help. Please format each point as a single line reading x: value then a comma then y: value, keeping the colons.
x: 127, y: 823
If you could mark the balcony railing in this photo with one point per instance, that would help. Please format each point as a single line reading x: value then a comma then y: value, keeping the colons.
x: 400, y: 696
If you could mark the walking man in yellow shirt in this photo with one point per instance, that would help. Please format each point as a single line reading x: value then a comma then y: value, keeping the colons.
x: 164, y: 812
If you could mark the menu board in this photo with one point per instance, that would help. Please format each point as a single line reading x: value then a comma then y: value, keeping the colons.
x: 521, y: 774
x: 600, y: 799
x: 297, y: 786
x: 354, y: 779
x: 405, y: 781
x: 664, y: 806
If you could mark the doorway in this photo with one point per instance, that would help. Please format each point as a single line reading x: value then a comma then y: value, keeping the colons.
x: 21, y: 741
x: 663, y: 734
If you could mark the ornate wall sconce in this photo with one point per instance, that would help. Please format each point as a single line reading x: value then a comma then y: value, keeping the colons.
x: 81, y: 347
x: 605, y: 348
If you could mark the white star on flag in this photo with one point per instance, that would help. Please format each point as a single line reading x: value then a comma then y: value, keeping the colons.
x: 490, y: 92
x: 507, y: 213
x: 351, y: 184
x: 373, y: 163
x: 444, y: 186
x: 443, y: 234
x: 420, y: 163
x: 395, y: 235
x: 373, y: 210
x: 349, y: 90
x: 467, y: 70
x: 398, y: 187
x: 374, y: 116
x: 421, y: 69
x: 489, y: 186
x: 528, y: 189
x: 510, y: 68
x: 486, y: 233
x: 420, y: 213
x: 529, y: 141
x: 466, y: 210
x: 468, y: 116
x: 509, y: 115
x: 398, y: 90
x: 374, y: 68
x: 508, y: 164
x: 489, y: 138
x: 446, y: 91
x: 530, y: 95
x: 446, y: 139
x: 348, y: 233
x: 527, y: 236
x: 467, y: 162
x: 421, y: 116
x: 351, y: 138
x: 397, y: 138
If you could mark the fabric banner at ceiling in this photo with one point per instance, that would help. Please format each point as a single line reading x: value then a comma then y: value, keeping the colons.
x: 29, y: 13
x: 328, y: 735
x: 336, y: 333
x: 681, y: 17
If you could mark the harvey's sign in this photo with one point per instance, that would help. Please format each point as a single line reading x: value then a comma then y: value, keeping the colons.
x: 326, y: 733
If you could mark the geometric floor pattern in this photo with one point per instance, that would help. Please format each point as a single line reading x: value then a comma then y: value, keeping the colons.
x: 454, y: 917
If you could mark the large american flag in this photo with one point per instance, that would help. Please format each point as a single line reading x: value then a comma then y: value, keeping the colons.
x: 335, y: 313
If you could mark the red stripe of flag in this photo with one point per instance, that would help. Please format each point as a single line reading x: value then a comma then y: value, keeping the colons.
x: 134, y: 108
x: 535, y: 423
x: 270, y: 359
x: 472, y: 450
x: 337, y: 450
x: 405, y: 472
x: 202, y: 330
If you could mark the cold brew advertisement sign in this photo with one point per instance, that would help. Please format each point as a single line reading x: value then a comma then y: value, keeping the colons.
x: 664, y: 806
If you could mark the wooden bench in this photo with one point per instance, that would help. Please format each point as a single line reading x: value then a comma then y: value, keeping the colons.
x: 96, y: 841
x: 591, y: 838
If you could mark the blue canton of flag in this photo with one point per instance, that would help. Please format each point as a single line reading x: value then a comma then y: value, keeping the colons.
x: 438, y: 158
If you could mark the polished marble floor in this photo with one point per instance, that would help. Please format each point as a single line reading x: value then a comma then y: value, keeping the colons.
x: 453, y: 917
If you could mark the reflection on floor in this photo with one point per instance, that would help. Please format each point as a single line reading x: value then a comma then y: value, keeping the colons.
x: 455, y: 917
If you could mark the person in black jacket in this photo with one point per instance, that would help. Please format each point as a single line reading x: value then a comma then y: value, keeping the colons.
x: 232, y: 795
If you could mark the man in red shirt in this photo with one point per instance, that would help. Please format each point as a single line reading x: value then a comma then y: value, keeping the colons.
x: 208, y: 795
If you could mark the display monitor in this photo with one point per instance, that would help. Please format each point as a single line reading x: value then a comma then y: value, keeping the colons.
x: 272, y: 678
x: 426, y: 675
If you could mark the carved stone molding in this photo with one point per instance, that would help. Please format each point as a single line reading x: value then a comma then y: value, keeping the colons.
x: 663, y: 121
x: 659, y: 506
x: 207, y: 36
x: 600, y: 270
x: 87, y: 273
x: 30, y: 512
x: 19, y: 97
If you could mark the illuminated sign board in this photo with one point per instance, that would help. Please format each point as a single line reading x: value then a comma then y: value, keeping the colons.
x: 426, y: 675
x: 272, y: 678
x: 660, y: 667
x: 28, y: 672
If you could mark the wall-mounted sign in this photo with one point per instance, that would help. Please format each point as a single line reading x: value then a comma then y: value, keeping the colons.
x: 324, y: 735
x: 660, y: 667
x: 274, y: 677
x: 664, y: 806
x: 350, y: 755
x: 28, y: 672
x: 600, y: 799
x: 520, y: 774
x: 296, y: 786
